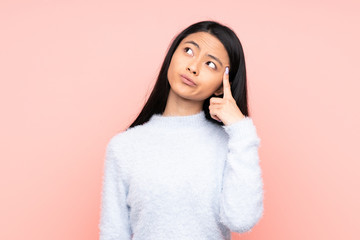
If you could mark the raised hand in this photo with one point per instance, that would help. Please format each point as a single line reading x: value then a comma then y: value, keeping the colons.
x: 225, y: 109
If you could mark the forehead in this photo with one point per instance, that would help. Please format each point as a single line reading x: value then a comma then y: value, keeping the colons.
x: 208, y: 44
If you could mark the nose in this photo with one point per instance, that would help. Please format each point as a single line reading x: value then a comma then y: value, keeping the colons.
x: 193, y: 67
x: 191, y: 70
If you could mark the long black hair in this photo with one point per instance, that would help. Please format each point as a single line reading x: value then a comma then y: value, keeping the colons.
x: 156, y: 103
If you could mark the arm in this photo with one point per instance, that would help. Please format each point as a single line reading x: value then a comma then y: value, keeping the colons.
x: 241, y: 199
x: 114, y: 221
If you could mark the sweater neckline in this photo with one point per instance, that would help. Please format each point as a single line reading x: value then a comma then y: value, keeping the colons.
x: 189, y: 121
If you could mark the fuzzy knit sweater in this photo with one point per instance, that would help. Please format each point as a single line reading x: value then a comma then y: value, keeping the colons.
x: 181, y: 178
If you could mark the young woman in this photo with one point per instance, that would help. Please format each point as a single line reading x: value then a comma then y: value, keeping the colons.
x: 188, y: 166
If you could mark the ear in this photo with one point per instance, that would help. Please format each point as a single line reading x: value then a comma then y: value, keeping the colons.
x: 220, y: 91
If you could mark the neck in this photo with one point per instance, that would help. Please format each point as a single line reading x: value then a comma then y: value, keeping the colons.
x: 179, y: 106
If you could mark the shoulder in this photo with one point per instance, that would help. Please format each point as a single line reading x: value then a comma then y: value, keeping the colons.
x: 243, y: 129
x: 126, y: 139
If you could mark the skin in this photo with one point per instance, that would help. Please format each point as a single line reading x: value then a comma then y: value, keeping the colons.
x: 209, y: 76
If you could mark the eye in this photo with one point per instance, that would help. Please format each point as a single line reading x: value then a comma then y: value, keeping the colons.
x: 186, y: 49
x: 214, y: 65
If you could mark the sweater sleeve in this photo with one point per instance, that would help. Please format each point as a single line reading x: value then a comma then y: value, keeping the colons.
x: 241, y: 198
x: 114, y: 217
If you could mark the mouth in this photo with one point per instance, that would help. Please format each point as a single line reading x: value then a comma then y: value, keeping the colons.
x: 187, y: 80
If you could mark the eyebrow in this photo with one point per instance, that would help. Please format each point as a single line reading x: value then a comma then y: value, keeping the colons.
x: 213, y: 57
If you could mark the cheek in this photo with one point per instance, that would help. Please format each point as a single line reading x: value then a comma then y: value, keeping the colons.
x: 175, y: 67
x: 213, y: 82
x: 171, y: 70
x: 209, y: 84
x: 176, y: 62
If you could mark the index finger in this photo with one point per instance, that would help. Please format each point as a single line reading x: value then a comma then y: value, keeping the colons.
x: 226, y: 84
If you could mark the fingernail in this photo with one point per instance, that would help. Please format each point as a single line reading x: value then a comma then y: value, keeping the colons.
x: 227, y: 70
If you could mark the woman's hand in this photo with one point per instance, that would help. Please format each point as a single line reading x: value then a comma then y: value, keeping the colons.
x: 225, y: 109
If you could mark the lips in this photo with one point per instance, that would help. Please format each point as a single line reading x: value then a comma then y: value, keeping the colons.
x: 187, y: 79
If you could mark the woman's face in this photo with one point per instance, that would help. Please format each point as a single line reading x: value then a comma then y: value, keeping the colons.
x: 202, y: 58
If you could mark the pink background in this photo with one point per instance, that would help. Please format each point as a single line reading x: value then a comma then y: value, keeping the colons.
x: 74, y: 73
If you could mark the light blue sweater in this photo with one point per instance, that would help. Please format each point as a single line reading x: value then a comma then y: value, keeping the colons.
x: 181, y: 178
